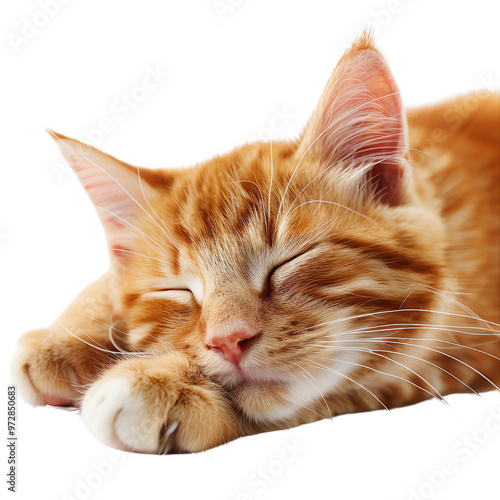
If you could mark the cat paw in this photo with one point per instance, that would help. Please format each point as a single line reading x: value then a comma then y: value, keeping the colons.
x: 158, y: 405
x: 41, y: 374
x: 119, y: 418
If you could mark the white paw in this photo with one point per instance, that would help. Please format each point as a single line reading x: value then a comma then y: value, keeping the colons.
x: 121, y: 419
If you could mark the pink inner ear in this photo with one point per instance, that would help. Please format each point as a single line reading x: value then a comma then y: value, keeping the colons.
x: 364, y: 111
x: 385, y: 180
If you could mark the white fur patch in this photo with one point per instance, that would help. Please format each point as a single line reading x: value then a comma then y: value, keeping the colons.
x: 315, y: 385
x: 119, y: 418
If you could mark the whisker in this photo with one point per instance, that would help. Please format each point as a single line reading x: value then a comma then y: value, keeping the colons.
x: 110, y: 176
x: 428, y: 362
x: 390, y: 374
x: 169, y: 235
x: 389, y: 340
x: 158, y: 243
x: 359, y: 384
x: 323, y: 133
x: 454, y: 301
x: 391, y: 311
x: 108, y: 351
x: 331, y: 166
x: 336, y: 204
x: 270, y: 183
x: 413, y: 326
x: 309, y: 376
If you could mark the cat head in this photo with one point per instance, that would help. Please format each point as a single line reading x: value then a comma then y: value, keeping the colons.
x: 270, y: 265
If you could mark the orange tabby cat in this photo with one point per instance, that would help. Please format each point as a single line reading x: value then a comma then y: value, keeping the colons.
x: 283, y: 283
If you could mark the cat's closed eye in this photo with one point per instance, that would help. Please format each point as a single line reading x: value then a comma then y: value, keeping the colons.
x: 284, y: 264
x: 174, y: 290
x: 181, y: 294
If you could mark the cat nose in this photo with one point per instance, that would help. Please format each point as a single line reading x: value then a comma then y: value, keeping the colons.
x: 232, y: 345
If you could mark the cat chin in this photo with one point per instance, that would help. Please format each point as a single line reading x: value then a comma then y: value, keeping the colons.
x: 277, y: 401
x: 264, y: 402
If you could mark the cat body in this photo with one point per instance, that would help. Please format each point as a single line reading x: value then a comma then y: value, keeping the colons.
x: 353, y: 269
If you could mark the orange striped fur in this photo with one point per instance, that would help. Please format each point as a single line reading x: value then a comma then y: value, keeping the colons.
x: 366, y: 256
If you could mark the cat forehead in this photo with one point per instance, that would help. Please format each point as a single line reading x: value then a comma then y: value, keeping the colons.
x: 259, y: 179
x: 252, y: 162
x: 234, y: 197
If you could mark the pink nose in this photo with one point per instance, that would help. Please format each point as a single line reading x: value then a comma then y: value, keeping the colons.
x: 232, y: 346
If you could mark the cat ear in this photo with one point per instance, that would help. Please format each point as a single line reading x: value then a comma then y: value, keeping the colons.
x: 117, y: 190
x: 360, y: 121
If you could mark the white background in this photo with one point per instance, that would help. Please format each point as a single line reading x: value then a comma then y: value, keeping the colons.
x: 230, y: 69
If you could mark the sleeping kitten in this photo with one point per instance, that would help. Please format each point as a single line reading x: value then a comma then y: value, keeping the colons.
x: 279, y: 284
